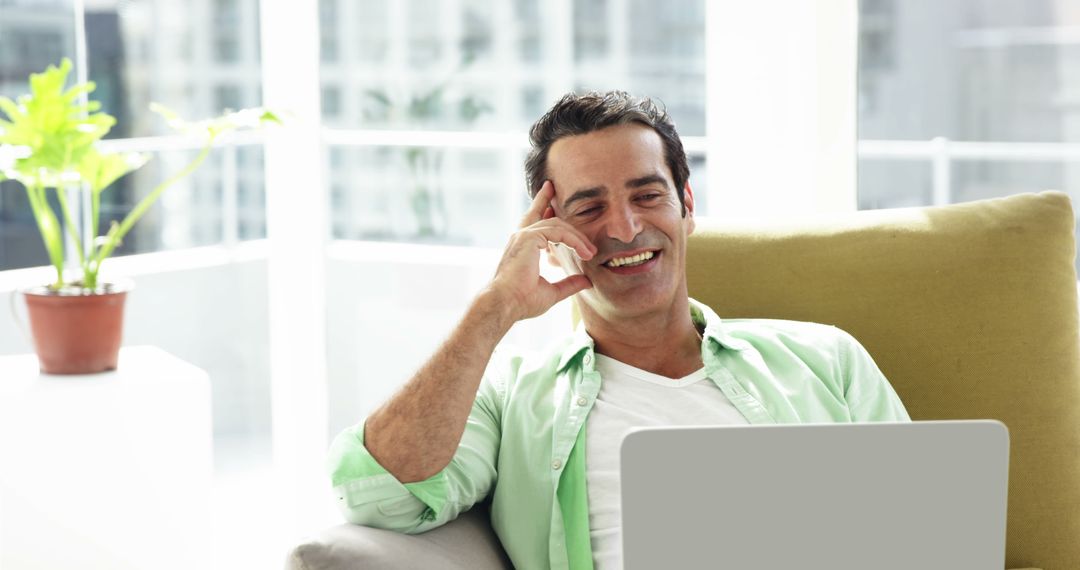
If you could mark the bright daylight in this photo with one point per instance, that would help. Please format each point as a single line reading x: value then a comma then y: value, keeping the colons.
x: 539, y: 284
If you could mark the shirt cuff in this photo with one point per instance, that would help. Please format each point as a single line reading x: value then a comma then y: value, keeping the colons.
x: 353, y: 468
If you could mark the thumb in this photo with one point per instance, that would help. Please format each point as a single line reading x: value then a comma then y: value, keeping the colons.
x: 571, y: 285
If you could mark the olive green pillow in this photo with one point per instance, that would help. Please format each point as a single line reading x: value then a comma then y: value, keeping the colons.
x: 970, y: 310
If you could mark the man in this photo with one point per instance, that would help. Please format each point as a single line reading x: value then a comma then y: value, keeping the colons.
x: 540, y: 435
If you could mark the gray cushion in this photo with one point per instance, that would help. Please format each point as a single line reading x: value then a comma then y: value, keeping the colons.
x: 467, y: 543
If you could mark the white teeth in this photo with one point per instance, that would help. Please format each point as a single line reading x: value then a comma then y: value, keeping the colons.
x: 632, y: 260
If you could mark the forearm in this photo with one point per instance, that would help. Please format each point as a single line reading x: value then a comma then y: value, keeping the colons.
x: 415, y: 434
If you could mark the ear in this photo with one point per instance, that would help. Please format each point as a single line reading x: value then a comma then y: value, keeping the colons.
x: 688, y: 200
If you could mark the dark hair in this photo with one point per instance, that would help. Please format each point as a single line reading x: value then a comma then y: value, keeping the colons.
x: 580, y: 114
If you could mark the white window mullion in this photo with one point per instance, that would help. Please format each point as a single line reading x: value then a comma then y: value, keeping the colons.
x: 781, y: 108
x: 78, y: 195
x: 558, y: 47
x: 296, y: 213
x: 618, y: 34
x: 451, y: 32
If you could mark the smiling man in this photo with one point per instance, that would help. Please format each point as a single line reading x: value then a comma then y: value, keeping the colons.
x: 539, y: 435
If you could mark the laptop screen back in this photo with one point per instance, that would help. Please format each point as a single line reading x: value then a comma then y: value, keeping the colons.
x: 838, y: 496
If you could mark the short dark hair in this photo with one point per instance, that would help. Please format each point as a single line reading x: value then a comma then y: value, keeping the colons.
x: 580, y: 114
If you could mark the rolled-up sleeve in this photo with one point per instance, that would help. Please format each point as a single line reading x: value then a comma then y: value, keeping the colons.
x: 369, y: 495
x: 869, y: 394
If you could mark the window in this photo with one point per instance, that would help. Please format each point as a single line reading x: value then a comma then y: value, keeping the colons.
x: 955, y: 96
x: 225, y: 22
x: 33, y: 49
x: 33, y: 35
x: 590, y: 30
x: 425, y: 46
x: 433, y: 76
x: 328, y: 34
x: 227, y: 97
x: 161, y: 51
x: 477, y: 35
x: 331, y: 101
x: 526, y: 14
x: 370, y: 29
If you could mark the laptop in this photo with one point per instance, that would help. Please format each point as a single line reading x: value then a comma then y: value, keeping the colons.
x: 877, y: 496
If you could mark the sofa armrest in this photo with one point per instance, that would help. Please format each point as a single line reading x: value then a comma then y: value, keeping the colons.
x: 467, y: 543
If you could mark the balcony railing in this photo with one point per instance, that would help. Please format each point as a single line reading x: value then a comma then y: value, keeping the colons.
x: 941, y: 153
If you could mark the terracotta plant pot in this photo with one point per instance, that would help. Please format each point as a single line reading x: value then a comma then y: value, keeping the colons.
x: 77, y: 331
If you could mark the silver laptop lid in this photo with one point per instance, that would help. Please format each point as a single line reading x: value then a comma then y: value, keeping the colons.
x: 837, y: 496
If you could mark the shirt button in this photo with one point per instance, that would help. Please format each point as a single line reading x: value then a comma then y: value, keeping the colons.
x: 581, y: 401
x: 556, y: 464
x: 588, y: 359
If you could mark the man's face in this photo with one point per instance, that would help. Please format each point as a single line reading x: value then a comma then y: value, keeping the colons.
x: 614, y: 186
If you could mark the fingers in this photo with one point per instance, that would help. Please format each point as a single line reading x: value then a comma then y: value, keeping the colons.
x: 542, y: 210
x: 537, y: 209
x: 558, y: 231
x: 571, y: 285
x: 554, y: 205
x: 518, y: 274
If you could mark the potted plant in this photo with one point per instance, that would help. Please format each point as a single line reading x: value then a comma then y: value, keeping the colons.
x: 50, y: 142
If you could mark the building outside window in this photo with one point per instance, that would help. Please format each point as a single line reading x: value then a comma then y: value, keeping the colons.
x: 967, y: 100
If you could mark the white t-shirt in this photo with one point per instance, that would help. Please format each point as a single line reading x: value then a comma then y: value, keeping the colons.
x: 630, y: 397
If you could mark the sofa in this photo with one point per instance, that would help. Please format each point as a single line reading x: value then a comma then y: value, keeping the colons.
x: 970, y: 310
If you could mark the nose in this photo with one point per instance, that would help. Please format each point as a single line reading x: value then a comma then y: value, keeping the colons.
x: 622, y: 224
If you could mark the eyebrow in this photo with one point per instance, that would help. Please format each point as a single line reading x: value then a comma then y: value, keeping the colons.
x: 582, y: 195
x: 595, y: 191
x: 646, y: 180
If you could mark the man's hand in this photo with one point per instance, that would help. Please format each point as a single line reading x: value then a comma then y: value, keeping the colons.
x: 518, y: 286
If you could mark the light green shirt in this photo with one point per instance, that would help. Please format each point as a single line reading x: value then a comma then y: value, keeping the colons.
x: 524, y: 442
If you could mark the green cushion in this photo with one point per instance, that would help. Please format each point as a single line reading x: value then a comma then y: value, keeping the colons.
x: 969, y: 309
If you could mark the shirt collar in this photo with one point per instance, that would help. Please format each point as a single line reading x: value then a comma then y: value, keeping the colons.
x: 714, y: 327
x: 581, y: 342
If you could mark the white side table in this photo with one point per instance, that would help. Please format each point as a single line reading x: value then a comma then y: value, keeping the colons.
x: 107, y: 470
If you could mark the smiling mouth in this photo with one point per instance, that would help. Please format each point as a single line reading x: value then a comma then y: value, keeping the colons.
x: 631, y: 260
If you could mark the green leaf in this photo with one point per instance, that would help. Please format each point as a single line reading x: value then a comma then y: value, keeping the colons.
x: 427, y: 106
x: 270, y: 117
x: 11, y: 110
x: 471, y: 108
x: 49, y: 140
x: 76, y: 90
x: 53, y: 238
x: 171, y: 118
x: 101, y: 170
x: 56, y: 127
x: 379, y: 96
x: 250, y: 118
x: 49, y: 228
